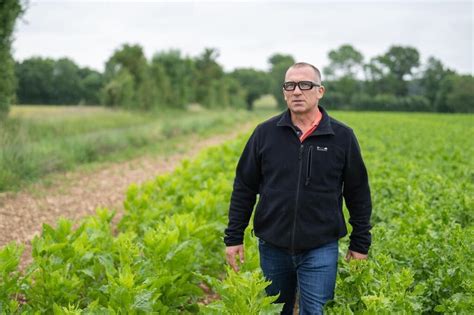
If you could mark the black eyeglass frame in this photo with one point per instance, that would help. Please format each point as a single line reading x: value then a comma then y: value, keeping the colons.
x: 310, y: 83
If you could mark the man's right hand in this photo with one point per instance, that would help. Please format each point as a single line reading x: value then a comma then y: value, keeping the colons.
x: 231, y: 253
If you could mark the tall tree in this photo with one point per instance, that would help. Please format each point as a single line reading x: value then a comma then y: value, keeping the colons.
x: 179, y: 82
x: 279, y: 64
x: 456, y: 94
x: 433, y: 74
x: 132, y: 59
x: 237, y: 94
x: 161, y: 83
x: 35, y: 81
x: 401, y: 61
x: 91, y: 84
x: 10, y: 10
x: 66, y: 82
x: 120, y: 91
x: 208, y: 73
x: 379, y: 79
x: 345, y: 63
x: 256, y: 83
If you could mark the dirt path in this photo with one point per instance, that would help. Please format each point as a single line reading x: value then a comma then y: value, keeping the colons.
x: 77, y: 194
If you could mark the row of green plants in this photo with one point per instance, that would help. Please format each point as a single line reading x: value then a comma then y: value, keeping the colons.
x: 168, y: 246
x: 420, y: 169
x: 167, y: 250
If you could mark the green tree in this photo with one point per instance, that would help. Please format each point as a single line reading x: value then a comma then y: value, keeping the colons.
x: 161, y: 84
x: 208, y: 73
x: 120, y: 91
x: 279, y: 64
x: 179, y: 84
x: 255, y: 83
x: 344, y: 61
x: 400, y: 61
x: 66, y: 82
x: 10, y: 10
x: 215, y: 95
x: 225, y: 92
x: 237, y: 94
x: 431, y: 78
x: 379, y: 79
x: 91, y: 84
x: 456, y: 94
x: 48, y: 81
x: 132, y: 59
x: 35, y: 81
x: 341, y: 92
x: 341, y: 75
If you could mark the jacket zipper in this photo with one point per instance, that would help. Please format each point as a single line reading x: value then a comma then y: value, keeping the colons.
x: 300, y: 158
x: 308, y: 168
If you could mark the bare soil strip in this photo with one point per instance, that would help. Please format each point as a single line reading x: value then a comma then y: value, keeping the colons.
x: 74, y: 195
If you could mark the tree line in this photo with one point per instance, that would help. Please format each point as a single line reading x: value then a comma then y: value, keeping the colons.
x: 393, y: 81
x: 168, y: 80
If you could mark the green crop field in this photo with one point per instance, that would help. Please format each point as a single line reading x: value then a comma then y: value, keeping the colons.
x: 168, y: 249
x: 39, y: 140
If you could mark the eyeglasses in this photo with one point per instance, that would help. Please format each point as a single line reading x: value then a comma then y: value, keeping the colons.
x: 303, y: 85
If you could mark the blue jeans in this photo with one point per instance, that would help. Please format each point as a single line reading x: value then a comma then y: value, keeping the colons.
x: 312, y: 273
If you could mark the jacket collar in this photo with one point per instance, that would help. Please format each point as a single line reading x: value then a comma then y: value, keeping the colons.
x: 324, y: 127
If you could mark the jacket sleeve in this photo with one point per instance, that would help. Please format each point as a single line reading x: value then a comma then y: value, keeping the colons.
x: 356, y: 193
x: 245, y: 190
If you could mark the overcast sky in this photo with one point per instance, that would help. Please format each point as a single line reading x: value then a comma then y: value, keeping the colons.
x: 246, y: 33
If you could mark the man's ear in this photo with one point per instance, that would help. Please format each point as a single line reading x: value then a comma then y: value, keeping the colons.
x: 321, y: 92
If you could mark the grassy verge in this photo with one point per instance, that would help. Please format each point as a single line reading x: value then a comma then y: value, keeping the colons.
x: 37, y: 141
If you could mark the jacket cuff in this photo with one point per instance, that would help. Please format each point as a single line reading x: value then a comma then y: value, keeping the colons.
x: 233, y: 241
x: 358, y: 249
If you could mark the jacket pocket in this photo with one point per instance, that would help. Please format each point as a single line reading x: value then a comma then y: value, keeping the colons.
x: 318, y: 216
x: 325, y: 168
x: 308, y: 167
x: 273, y: 216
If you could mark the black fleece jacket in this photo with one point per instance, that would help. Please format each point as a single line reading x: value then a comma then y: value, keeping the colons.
x: 301, y: 186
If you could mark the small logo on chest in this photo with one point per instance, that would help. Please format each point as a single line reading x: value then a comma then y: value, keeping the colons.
x: 324, y: 149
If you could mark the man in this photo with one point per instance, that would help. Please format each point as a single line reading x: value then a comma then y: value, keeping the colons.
x: 301, y: 163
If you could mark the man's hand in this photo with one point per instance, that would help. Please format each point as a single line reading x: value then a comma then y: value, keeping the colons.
x: 355, y: 255
x: 231, y: 253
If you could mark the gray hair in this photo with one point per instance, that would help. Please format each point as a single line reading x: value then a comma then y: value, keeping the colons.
x: 305, y: 64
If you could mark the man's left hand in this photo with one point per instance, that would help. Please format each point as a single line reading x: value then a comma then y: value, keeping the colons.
x: 355, y: 255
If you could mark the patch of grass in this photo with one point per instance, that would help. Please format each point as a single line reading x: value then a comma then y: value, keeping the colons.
x: 36, y: 141
x: 267, y: 101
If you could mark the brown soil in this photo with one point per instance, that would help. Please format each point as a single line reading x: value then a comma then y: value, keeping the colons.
x: 74, y: 195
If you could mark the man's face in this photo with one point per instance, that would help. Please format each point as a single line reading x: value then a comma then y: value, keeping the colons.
x: 298, y: 101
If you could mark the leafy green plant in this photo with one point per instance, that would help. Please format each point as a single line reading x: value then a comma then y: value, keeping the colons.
x: 169, y: 242
x: 10, y: 280
x: 242, y: 293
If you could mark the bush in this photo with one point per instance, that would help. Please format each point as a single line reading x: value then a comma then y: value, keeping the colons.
x: 119, y: 92
x: 456, y: 94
